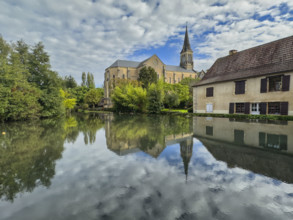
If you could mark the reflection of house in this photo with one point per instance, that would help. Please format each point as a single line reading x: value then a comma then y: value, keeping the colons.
x: 123, y: 69
x: 260, y: 147
x: 253, y: 81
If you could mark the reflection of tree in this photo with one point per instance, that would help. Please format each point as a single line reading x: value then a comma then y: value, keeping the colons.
x: 145, y: 132
x: 28, y: 153
x: 29, y: 150
x: 89, y: 124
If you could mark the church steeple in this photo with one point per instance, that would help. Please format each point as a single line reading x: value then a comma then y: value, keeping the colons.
x: 186, y: 45
x: 186, y: 55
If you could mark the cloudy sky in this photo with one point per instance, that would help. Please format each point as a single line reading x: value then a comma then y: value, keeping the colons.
x: 89, y: 35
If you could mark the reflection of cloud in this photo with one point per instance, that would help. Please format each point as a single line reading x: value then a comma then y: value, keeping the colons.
x: 94, y: 183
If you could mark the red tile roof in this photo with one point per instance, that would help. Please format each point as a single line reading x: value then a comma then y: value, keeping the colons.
x: 270, y: 58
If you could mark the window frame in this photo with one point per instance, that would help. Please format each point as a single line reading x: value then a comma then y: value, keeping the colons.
x: 271, y: 110
x: 240, y: 87
x: 270, y: 82
x: 241, y: 106
x: 210, y: 92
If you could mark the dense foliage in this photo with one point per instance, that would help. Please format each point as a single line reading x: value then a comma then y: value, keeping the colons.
x: 30, y: 89
x: 128, y: 96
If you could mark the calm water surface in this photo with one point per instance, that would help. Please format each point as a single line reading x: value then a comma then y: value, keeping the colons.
x: 146, y: 167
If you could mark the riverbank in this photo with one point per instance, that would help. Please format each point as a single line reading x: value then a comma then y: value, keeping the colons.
x: 232, y: 116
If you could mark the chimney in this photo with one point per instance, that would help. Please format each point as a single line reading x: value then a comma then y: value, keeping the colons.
x: 231, y: 52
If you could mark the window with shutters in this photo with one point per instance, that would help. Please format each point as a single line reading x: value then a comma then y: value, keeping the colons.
x: 274, y: 108
x: 275, y: 83
x: 239, y: 108
x: 240, y: 87
x: 210, y: 92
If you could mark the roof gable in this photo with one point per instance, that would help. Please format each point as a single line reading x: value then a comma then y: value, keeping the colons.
x: 150, y: 60
x: 273, y: 57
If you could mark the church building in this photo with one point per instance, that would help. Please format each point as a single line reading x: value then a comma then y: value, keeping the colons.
x: 125, y: 69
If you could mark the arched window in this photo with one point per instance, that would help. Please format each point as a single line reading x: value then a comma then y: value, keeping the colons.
x: 123, y: 76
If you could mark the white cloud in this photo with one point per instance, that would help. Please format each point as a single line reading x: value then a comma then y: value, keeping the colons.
x: 87, y: 36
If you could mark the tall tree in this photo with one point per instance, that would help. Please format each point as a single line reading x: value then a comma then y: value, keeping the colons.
x: 47, y: 80
x: 147, y: 75
x: 83, y: 78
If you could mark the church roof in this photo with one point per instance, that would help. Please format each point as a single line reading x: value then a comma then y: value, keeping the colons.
x: 186, y: 45
x: 135, y: 64
x: 270, y: 58
x: 178, y: 69
x: 125, y: 63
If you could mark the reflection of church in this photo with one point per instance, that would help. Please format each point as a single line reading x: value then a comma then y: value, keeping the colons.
x: 186, y: 153
x: 123, y: 146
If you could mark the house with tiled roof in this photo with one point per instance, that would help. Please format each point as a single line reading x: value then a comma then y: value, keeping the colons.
x: 252, y: 81
x: 124, y: 69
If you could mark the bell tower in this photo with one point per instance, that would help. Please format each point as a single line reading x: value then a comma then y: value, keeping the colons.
x: 186, y: 54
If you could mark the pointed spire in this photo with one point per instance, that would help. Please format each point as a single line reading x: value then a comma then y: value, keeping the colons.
x: 186, y: 45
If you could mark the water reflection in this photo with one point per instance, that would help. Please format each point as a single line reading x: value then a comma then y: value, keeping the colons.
x: 28, y: 153
x: 109, y: 166
x: 29, y: 150
x: 151, y: 134
x: 261, y: 147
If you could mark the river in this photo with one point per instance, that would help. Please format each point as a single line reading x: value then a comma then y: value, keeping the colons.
x: 106, y: 166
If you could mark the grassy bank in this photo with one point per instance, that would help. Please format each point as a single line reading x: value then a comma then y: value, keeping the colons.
x: 235, y: 116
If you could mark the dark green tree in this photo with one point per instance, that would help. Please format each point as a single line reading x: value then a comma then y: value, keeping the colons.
x: 69, y: 82
x: 83, y: 78
x: 47, y: 80
x: 147, y: 75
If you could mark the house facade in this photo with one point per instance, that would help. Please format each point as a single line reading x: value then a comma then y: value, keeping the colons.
x: 124, y: 69
x: 253, y: 81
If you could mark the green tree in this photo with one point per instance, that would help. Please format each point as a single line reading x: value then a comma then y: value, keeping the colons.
x: 79, y: 93
x: 69, y: 82
x: 171, y: 99
x: 90, y: 82
x: 68, y: 102
x: 19, y: 99
x: 155, y: 97
x: 83, y: 78
x: 94, y: 96
x: 47, y: 80
x: 147, y: 75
